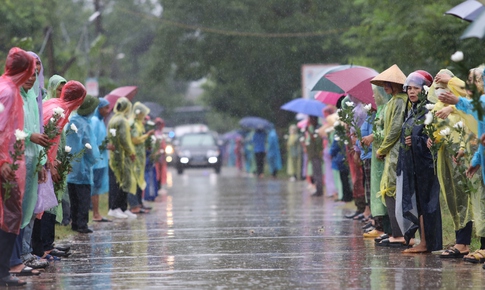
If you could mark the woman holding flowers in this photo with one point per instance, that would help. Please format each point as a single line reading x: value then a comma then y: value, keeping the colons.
x: 458, y: 189
x: 19, y: 67
x: 417, y: 188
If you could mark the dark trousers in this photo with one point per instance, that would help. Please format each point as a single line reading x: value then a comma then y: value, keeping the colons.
x: 259, y: 156
x: 15, y: 258
x: 117, y: 198
x: 391, y: 212
x: 344, y: 179
x: 48, y: 231
x: 7, y: 242
x: 136, y: 199
x: 317, y: 174
x: 464, y: 235
x: 80, y: 197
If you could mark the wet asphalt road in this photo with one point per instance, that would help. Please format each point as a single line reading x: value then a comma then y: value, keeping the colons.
x: 235, y: 232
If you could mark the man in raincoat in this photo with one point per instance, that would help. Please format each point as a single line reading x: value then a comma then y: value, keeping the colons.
x: 80, y: 178
x: 274, y: 154
x: 122, y: 179
x: 19, y: 67
x: 138, y: 138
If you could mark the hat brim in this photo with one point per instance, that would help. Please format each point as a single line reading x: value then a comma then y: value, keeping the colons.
x: 88, y: 110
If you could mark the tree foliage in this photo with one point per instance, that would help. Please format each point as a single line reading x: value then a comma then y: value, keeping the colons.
x: 250, y: 51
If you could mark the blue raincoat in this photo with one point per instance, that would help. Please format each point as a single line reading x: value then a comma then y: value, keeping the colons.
x: 101, y: 167
x: 273, y: 152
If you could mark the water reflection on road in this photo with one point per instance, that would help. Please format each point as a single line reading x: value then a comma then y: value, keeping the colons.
x: 237, y: 232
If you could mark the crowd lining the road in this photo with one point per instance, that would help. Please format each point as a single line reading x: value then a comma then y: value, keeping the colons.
x: 58, y: 156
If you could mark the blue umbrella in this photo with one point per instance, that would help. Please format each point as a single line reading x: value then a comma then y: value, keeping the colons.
x: 231, y: 135
x: 305, y: 106
x: 255, y: 123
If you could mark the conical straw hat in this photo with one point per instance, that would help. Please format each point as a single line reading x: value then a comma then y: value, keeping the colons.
x: 391, y: 75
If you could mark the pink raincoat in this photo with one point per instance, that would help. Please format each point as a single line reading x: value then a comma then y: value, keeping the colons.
x: 18, y: 68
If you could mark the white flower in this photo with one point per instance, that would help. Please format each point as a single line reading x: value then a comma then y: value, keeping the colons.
x: 458, y: 125
x: 426, y: 88
x: 112, y: 131
x: 445, y: 132
x: 428, y: 118
x: 315, y: 135
x: 337, y: 138
x: 150, y: 123
x: 336, y: 123
x: 338, y: 110
x: 346, y: 142
x: 350, y: 104
x: 368, y: 107
x: 429, y: 106
x: 457, y: 56
x: 302, y: 139
x: 154, y: 139
x: 58, y: 111
x: 62, y: 115
x: 87, y: 145
x: 2, y: 107
x: 137, y: 112
x: 53, y: 120
x: 73, y: 127
x: 20, y: 135
x: 67, y: 149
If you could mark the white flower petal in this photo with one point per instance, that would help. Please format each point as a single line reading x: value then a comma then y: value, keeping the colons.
x: 87, y: 145
x: 67, y: 149
x: 457, y: 56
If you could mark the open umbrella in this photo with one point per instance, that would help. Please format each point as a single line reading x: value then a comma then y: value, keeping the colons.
x: 255, y: 123
x: 321, y: 83
x: 355, y: 81
x: 476, y: 28
x: 328, y: 98
x: 155, y: 109
x: 468, y: 10
x: 305, y: 106
x: 234, y: 134
x: 127, y: 92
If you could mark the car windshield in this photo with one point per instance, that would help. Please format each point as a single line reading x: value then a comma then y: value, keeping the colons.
x: 197, y: 140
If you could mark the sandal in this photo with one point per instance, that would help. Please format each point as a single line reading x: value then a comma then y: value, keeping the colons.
x: 11, y: 281
x: 51, y: 258
x: 452, y: 253
x: 26, y: 271
x: 476, y: 257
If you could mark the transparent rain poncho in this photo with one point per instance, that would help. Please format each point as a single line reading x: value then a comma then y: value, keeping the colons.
x: 19, y: 67
x: 119, y: 159
x: 31, y: 125
x: 393, y: 117
x: 99, y: 129
x: 378, y: 208
x: 273, y: 151
x: 450, y: 177
x: 138, y: 137
x: 54, y: 82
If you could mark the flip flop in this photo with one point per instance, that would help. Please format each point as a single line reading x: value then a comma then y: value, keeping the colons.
x: 26, y: 271
x: 12, y: 281
x: 476, y: 257
x: 102, y: 220
x: 453, y: 253
x: 51, y: 258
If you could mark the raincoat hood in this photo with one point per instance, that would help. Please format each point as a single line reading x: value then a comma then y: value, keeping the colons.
x: 54, y: 82
x: 102, y: 103
x: 19, y: 66
x: 122, y: 107
x: 380, y: 95
x: 139, y: 108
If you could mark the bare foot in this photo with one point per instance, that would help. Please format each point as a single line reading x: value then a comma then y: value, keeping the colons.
x: 420, y: 248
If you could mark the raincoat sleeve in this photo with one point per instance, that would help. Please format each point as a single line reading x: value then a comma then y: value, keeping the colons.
x: 393, y: 132
x: 90, y: 155
x: 477, y: 157
x: 6, y: 131
x: 126, y: 139
x: 137, y: 139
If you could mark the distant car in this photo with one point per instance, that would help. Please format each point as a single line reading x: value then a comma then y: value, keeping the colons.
x: 197, y: 150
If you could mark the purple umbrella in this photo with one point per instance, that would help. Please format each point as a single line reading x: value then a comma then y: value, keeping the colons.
x: 468, y: 10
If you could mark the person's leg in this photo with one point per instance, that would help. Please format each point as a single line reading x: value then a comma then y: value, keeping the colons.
x: 344, y: 179
x: 36, y: 241
x: 84, y: 198
x: 7, y: 242
x: 317, y: 175
x: 48, y: 231
x: 95, y: 203
x: 73, y: 196
x: 27, y: 240
x: 15, y: 258
x: 367, y: 178
x: 464, y: 238
x: 396, y: 234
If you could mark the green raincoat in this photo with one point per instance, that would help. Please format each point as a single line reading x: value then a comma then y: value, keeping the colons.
x: 393, y: 118
x: 52, y: 86
x: 119, y: 159
x: 138, y: 138
x: 31, y: 125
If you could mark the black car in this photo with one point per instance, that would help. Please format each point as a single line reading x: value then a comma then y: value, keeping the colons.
x: 197, y: 150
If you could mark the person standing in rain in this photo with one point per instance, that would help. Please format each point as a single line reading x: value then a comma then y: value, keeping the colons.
x: 19, y: 67
x: 100, y: 168
x: 138, y: 138
x: 259, y: 142
x: 293, y: 150
x: 160, y: 162
x: 314, y: 149
x: 274, y: 154
x: 80, y: 178
x: 392, y: 80
x: 121, y: 177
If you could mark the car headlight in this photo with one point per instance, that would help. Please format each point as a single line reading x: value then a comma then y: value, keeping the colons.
x: 169, y: 149
x: 213, y: 153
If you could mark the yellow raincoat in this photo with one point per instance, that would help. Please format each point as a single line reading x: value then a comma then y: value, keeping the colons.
x: 138, y: 138
x: 393, y: 118
x: 119, y: 159
x: 449, y: 175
